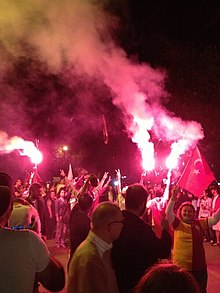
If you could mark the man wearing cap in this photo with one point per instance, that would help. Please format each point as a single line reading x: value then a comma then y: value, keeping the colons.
x: 24, y: 257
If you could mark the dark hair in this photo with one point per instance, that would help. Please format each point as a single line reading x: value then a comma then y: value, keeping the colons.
x: 85, y: 201
x: 5, y: 199
x: 34, y: 190
x: 93, y: 181
x: 6, y: 189
x: 214, y: 187
x: 167, y: 278
x: 6, y: 180
x: 61, y: 189
x: 135, y: 196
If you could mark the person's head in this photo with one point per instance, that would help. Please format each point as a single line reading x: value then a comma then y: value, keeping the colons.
x: 167, y: 278
x: 6, y: 180
x: 136, y: 199
x: 186, y: 212
x: 35, y: 191
x: 94, y: 181
x: 85, y: 201
x: 107, y: 221
x: 53, y: 194
x: 6, y: 184
x: 61, y: 192
x: 204, y: 194
x: 18, y: 182
x: 214, y: 189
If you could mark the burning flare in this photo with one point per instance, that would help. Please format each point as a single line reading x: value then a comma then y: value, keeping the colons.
x: 24, y: 148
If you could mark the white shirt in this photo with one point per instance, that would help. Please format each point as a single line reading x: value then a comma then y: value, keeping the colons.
x: 100, y: 244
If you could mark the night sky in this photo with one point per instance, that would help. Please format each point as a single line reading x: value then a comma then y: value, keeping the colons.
x: 65, y: 65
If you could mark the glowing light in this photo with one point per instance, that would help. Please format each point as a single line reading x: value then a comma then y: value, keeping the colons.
x: 24, y: 148
x: 171, y: 162
x: 116, y: 183
x: 65, y: 148
x: 177, y: 148
x: 142, y: 137
x: 165, y: 196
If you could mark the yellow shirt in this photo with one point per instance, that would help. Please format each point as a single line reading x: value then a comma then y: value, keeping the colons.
x: 188, y: 250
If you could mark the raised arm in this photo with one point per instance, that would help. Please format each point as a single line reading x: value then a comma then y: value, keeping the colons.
x: 118, y: 178
x: 143, y: 175
x: 214, y: 218
x: 169, y: 209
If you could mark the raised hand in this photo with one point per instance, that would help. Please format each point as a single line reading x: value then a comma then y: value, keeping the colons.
x: 62, y: 173
x: 118, y: 174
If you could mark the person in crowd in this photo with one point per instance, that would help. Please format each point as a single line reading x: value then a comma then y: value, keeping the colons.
x: 120, y: 192
x: 50, y: 215
x: 61, y: 184
x: 35, y: 198
x: 204, y: 206
x: 215, y: 191
x: 90, y: 268
x: 18, y: 188
x: 188, y: 249
x: 95, y: 187
x: 79, y: 224
x: 62, y: 218
x: 156, y: 207
x: 137, y: 248
x: 24, y: 216
x: 24, y: 257
x: 167, y: 278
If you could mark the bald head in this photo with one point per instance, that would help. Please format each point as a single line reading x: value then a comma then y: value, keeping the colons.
x: 107, y: 221
x: 104, y: 213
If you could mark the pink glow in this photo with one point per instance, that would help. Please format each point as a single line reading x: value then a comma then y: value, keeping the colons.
x: 138, y: 90
x: 141, y: 137
x: 177, y: 149
x: 25, y: 148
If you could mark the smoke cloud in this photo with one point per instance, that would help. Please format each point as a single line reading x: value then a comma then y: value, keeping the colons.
x: 72, y: 39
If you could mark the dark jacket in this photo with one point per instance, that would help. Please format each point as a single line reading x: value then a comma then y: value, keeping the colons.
x: 136, y: 250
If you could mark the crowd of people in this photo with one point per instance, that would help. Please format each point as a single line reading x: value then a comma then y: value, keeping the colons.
x: 120, y: 238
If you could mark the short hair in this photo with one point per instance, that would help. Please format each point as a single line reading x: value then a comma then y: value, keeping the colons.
x: 85, y: 201
x: 6, y: 180
x: 34, y: 190
x: 103, y: 214
x: 35, y: 187
x: 214, y: 187
x: 94, y: 180
x: 5, y: 200
x: 167, y: 278
x: 6, y: 188
x: 135, y: 196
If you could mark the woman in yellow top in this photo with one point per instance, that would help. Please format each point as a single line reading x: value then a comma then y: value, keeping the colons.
x: 188, y: 249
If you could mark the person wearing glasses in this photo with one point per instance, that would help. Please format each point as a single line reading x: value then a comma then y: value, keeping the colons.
x: 90, y: 269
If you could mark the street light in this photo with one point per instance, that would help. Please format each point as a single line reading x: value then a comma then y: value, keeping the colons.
x: 65, y: 148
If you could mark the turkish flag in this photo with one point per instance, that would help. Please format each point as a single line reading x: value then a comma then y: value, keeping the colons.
x: 197, y: 175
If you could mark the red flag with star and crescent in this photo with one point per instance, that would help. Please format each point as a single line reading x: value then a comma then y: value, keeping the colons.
x: 197, y: 175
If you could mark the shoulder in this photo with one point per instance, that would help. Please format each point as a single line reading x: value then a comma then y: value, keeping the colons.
x: 86, y: 254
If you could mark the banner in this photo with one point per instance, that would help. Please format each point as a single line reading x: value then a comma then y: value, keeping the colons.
x: 197, y: 175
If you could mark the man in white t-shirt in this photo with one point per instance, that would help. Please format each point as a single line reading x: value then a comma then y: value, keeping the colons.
x: 24, y: 257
